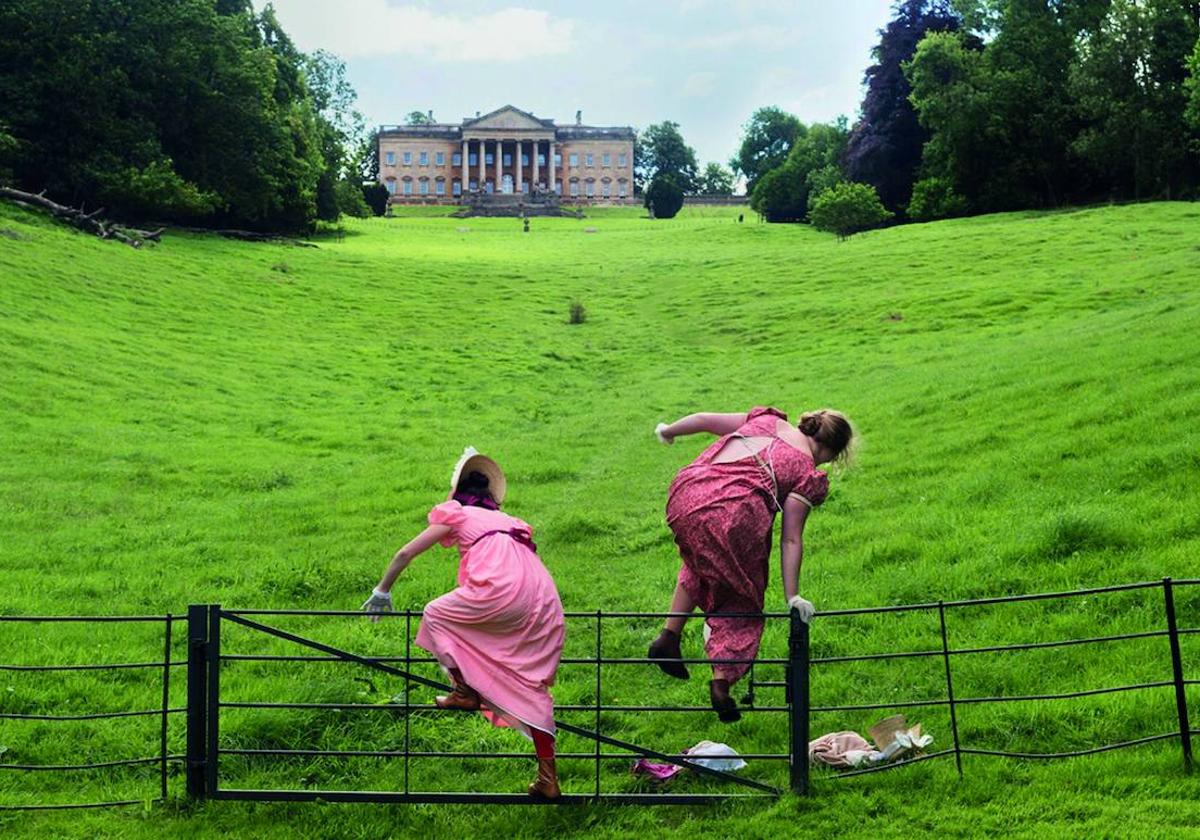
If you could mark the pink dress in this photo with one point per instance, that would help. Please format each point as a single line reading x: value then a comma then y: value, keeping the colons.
x: 503, y: 626
x: 722, y: 515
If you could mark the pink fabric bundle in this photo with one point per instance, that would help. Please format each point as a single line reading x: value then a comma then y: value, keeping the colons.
x: 839, y: 749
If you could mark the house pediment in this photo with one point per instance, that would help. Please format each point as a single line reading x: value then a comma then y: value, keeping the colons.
x: 507, y: 117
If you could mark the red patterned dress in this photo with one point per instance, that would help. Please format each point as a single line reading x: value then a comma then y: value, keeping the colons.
x: 722, y: 516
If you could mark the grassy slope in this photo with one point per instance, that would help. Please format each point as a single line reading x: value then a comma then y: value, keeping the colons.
x: 262, y: 425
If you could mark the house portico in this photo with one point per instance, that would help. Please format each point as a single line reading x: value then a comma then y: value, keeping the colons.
x: 506, y: 151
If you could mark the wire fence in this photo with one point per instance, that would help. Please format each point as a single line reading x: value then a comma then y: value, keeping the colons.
x: 592, y: 713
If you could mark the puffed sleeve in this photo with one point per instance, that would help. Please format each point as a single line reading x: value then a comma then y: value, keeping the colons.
x: 448, y: 513
x: 765, y: 411
x: 812, y: 489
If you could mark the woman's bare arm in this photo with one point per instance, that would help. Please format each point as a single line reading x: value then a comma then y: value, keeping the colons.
x: 791, y: 546
x: 420, y: 543
x: 714, y: 424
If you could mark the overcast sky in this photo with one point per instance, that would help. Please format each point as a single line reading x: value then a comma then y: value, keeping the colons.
x: 706, y: 64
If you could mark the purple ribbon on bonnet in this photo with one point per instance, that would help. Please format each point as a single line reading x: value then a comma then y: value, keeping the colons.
x: 476, y: 499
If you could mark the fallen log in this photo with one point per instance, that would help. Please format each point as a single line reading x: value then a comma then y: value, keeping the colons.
x: 89, y: 222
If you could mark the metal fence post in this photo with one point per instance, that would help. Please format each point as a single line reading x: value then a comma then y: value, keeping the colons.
x: 797, y: 698
x: 166, y: 701
x: 950, y: 689
x: 1185, y: 732
x: 197, y: 699
x: 599, y: 647
x: 213, y: 698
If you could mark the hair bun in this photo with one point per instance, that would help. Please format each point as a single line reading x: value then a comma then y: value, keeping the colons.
x: 810, y: 423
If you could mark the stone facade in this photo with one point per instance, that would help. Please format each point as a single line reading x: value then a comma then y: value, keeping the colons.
x: 507, y: 151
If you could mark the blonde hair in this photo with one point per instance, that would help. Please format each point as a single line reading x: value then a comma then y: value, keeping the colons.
x: 829, y: 428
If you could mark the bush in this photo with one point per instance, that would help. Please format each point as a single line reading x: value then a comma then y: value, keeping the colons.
x: 935, y: 198
x: 155, y: 190
x: 663, y: 198
x: 578, y: 313
x: 350, y: 199
x: 848, y: 208
x: 376, y: 196
x: 819, y: 180
x: 780, y: 195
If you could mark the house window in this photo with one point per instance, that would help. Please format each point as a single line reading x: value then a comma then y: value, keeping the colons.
x: 408, y: 158
x: 507, y: 159
x: 488, y: 185
x: 621, y: 159
x: 440, y: 187
x: 457, y: 188
x: 606, y: 190
x: 424, y: 158
x: 558, y: 187
x: 524, y: 160
x: 541, y: 159
x: 408, y: 187
x: 607, y: 159
x: 524, y: 186
x: 574, y: 160
x: 473, y: 185
x: 591, y: 189
x: 390, y: 157
x: 456, y: 159
x: 424, y: 188
x: 391, y: 187
x: 489, y: 159
x: 558, y: 160
x: 440, y: 158
x: 590, y: 160
x: 574, y: 188
x: 472, y: 159
x: 621, y: 190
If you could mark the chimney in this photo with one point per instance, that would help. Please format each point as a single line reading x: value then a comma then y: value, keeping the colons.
x: 431, y: 115
x: 579, y: 118
x: 477, y: 113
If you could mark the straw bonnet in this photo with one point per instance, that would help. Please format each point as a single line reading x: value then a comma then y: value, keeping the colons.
x: 472, y: 461
x: 884, y: 732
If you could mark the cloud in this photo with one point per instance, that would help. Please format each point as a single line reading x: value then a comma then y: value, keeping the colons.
x: 699, y: 84
x: 369, y: 28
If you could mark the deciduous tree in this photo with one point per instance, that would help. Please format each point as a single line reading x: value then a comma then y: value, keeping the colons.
x: 766, y: 140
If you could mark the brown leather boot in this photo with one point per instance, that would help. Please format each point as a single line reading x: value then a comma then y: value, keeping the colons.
x: 665, y: 650
x: 463, y: 697
x: 465, y: 700
x: 545, y: 786
x: 724, y: 705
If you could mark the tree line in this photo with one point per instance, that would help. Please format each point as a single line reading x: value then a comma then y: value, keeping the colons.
x: 977, y: 106
x: 204, y: 112
x: 189, y: 111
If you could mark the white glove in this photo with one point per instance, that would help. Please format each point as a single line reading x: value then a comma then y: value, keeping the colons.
x: 377, y: 603
x: 658, y: 433
x: 805, y: 608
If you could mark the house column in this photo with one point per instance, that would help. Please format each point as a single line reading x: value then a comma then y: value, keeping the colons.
x: 499, y: 164
x: 482, y: 172
x: 537, y: 150
x: 550, y: 162
x: 520, y: 164
x: 465, y: 174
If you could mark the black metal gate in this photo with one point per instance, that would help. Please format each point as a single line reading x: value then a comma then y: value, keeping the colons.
x: 205, y: 658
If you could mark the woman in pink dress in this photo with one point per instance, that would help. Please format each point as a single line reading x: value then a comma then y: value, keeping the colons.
x: 722, y: 508
x: 499, y: 634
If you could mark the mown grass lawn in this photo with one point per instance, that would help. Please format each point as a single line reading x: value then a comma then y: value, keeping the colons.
x: 261, y: 426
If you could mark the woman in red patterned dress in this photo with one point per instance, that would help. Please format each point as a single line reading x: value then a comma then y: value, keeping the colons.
x: 722, y: 508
